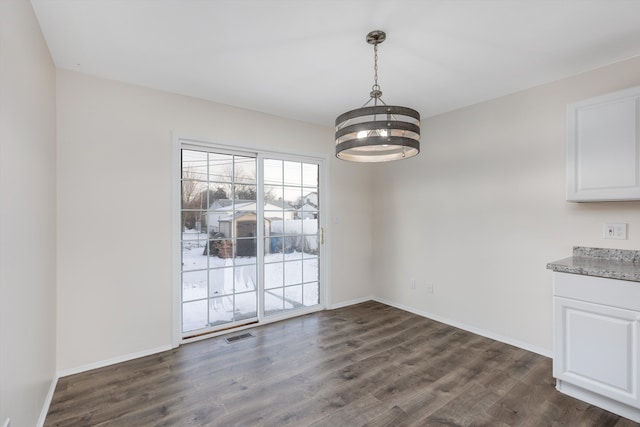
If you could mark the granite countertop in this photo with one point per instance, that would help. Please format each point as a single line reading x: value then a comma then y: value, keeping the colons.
x: 610, y: 263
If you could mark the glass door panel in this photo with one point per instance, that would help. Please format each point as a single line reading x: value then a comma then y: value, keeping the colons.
x: 219, y: 240
x: 291, y: 249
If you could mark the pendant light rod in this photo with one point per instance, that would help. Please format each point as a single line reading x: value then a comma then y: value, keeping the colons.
x: 375, y: 38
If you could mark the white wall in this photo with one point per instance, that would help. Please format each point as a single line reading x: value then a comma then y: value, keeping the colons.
x: 27, y: 216
x: 114, y: 198
x: 481, y: 210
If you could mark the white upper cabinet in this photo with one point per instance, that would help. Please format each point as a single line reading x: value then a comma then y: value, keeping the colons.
x: 603, y: 148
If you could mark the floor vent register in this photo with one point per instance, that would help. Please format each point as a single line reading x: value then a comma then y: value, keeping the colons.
x: 238, y: 337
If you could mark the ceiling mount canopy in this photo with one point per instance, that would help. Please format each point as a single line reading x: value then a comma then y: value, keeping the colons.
x: 378, y: 132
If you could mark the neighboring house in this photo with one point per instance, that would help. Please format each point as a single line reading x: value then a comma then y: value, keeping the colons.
x: 312, y: 199
x: 308, y: 211
x: 223, y: 209
x: 280, y: 209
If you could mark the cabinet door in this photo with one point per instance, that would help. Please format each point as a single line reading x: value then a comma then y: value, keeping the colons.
x: 603, y: 147
x: 596, y: 347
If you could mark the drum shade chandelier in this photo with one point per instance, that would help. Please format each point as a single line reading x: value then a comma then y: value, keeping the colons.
x: 378, y: 132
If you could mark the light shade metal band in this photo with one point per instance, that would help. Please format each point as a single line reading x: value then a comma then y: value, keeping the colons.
x: 375, y: 110
x: 377, y: 125
x: 378, y: 141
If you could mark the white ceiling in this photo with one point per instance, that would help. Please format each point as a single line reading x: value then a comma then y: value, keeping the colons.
x: 308, y: 59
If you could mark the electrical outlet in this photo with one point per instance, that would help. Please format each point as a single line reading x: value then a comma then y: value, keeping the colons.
x: 412, y: 283
x: 615, y: 231
x: 430, y: 288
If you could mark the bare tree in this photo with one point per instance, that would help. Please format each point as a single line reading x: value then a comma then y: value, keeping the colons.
x: 192, y: 193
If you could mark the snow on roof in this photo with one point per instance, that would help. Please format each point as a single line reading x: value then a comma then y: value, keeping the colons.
x: 308, y: 207
x: 237, y: 215
x: 282, y: 204
x: 249, y: 205
x: 220, y: 204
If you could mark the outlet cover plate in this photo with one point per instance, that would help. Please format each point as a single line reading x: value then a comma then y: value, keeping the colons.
x: 615, y: 230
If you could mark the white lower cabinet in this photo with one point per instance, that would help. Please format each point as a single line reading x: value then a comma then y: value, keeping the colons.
x: 597, y: 341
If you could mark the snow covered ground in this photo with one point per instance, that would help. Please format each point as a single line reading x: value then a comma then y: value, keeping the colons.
x: 222, y: 290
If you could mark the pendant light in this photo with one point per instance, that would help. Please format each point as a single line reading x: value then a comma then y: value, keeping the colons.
x: 378, y: 132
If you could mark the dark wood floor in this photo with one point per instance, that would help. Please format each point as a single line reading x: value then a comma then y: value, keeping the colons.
x: 364, y: 365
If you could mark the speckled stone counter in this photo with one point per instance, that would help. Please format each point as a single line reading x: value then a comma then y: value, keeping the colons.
x: 611, y: 263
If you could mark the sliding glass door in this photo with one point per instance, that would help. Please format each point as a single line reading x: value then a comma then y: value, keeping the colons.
x: 250, y: 238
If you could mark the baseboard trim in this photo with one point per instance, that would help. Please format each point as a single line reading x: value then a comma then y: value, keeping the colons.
x: 113, y: 361
x: 525, y: 346
x: 47, y: 402
x: 350, y: 302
